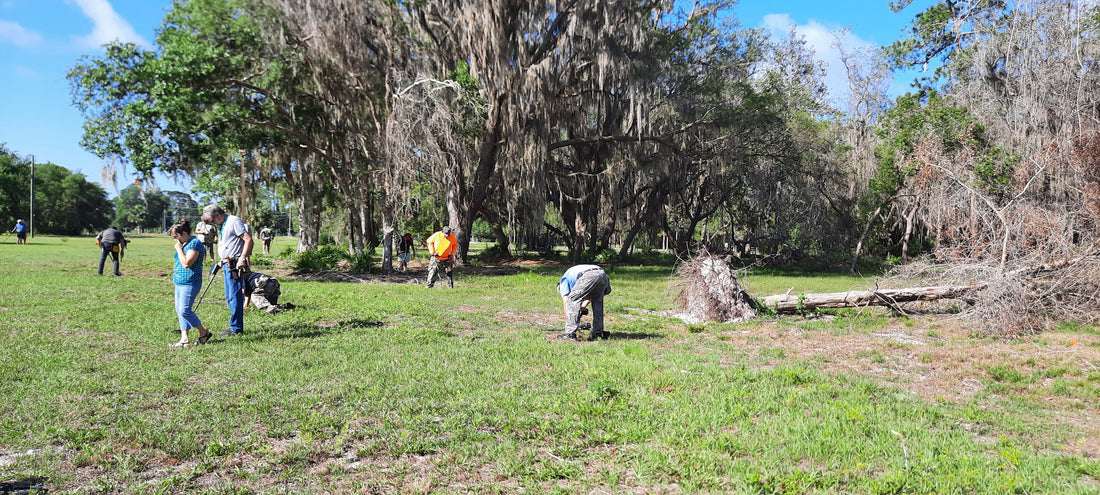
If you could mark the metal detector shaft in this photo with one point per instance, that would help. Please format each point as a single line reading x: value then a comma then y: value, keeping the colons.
x: 208, y: 284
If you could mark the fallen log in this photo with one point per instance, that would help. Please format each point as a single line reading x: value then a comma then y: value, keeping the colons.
x: 788, y: 303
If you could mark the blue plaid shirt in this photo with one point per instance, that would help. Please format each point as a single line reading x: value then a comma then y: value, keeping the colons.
x: 193, y: 275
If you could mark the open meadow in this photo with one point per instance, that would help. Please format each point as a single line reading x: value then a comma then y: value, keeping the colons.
x: 378, y: 385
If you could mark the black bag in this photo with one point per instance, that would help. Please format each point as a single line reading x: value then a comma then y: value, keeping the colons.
x: 238, y: 273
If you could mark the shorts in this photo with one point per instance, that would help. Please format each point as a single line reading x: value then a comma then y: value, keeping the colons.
x: 403, y: 257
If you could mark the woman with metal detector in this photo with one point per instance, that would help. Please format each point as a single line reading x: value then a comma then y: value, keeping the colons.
x: 187, y: 276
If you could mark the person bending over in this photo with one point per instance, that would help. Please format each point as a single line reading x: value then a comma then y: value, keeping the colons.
x: 263, y: 292
x: 580, y: 287
x: 441, y: 247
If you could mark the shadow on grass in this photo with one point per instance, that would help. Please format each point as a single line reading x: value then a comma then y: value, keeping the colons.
x: 614, y: 335
x: 634, y: 336
x: 308, y: 330
x: 28, y: 486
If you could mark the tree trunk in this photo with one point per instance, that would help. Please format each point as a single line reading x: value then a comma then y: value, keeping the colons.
x: 787, y: 303
x: 464, y: 211
x: 461, y: 219
x: 502, y: 239
x: 302, y: 178
x: 908, y: 233
x: 354, y: 238
x: 653, y: 204
x: 309, y: 222
x: 863, y: 237
x: 365, y: 230
x: 389, y: 237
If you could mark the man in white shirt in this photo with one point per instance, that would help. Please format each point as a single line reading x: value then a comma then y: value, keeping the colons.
x: 581, y: 286
x: 234, y: 250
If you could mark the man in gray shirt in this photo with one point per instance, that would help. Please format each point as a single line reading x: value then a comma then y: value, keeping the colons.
x: 234, y: 251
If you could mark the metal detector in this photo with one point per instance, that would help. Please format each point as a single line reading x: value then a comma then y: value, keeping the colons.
x: 213, y: 272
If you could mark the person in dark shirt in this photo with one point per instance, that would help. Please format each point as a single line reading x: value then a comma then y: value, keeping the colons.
x: 263, y: 291
x: 406, y: 249
x: 111, y: 242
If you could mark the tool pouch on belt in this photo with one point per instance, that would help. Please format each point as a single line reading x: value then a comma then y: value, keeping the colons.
x: 238, y: 273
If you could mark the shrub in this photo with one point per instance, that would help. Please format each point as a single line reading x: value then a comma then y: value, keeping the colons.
x: 607, y: 256
x: 494, y: 252
x: 360, y: 263
x: 324, y: 258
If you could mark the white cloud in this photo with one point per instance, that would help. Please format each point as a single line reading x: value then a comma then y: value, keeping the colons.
x: 11, y: 32
x: 823, y: 41
x: 107, y: 25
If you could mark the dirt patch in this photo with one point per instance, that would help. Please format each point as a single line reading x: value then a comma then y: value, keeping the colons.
x: 943, y: 362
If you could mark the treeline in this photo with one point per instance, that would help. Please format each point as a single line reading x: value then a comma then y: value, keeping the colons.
x: 608, y: 123
x: 66, y: 203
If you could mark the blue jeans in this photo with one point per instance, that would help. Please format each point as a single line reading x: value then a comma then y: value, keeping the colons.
x: 185, y: 297
x: 234, y: 298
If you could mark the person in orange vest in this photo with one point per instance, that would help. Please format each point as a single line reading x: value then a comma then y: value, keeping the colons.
x: 441, y: 247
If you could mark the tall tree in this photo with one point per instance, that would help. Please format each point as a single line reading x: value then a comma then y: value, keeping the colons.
x: 136, y: 208
x: 65, y: 202
x: 215, y: 97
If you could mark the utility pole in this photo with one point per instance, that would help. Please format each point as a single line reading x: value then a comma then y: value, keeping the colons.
x: 31, y: 226
x: 242, y: 213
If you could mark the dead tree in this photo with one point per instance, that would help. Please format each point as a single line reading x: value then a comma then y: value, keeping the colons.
x: 1024, y: 300
x: 788, y: 303
x: 710, y: 291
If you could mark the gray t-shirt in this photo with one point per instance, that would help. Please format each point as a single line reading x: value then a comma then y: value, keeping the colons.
x: 110, y: 237
x: 232, y: 246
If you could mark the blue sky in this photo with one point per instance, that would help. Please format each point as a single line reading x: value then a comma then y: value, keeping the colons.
x: 41, y: 39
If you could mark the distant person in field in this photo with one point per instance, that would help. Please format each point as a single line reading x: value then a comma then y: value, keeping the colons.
x: 234, y: 251
x: 580, y: 287
x: 208, y: 236
x: 265, y: 238
x: 20, y: 231
x: 187, y: 276
x: 441, y: 247
x: 111, y: 242
x: 263, y: 292
x: 406, y: 249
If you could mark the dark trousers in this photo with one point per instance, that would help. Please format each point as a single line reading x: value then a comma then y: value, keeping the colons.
x: 104, y: 250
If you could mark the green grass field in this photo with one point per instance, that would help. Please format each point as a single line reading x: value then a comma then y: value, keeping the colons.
x: 388, y: 387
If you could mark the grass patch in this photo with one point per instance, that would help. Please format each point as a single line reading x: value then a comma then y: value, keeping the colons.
x: 459, y: 391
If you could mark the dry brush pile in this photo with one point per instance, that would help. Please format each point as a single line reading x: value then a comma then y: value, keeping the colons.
x: 709, y: 291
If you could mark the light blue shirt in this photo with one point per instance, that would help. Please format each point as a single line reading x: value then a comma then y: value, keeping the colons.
x: 570, y: 278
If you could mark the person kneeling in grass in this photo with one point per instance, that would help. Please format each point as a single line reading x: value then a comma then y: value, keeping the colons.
x: 187, y: 276
x: 263, y: 292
